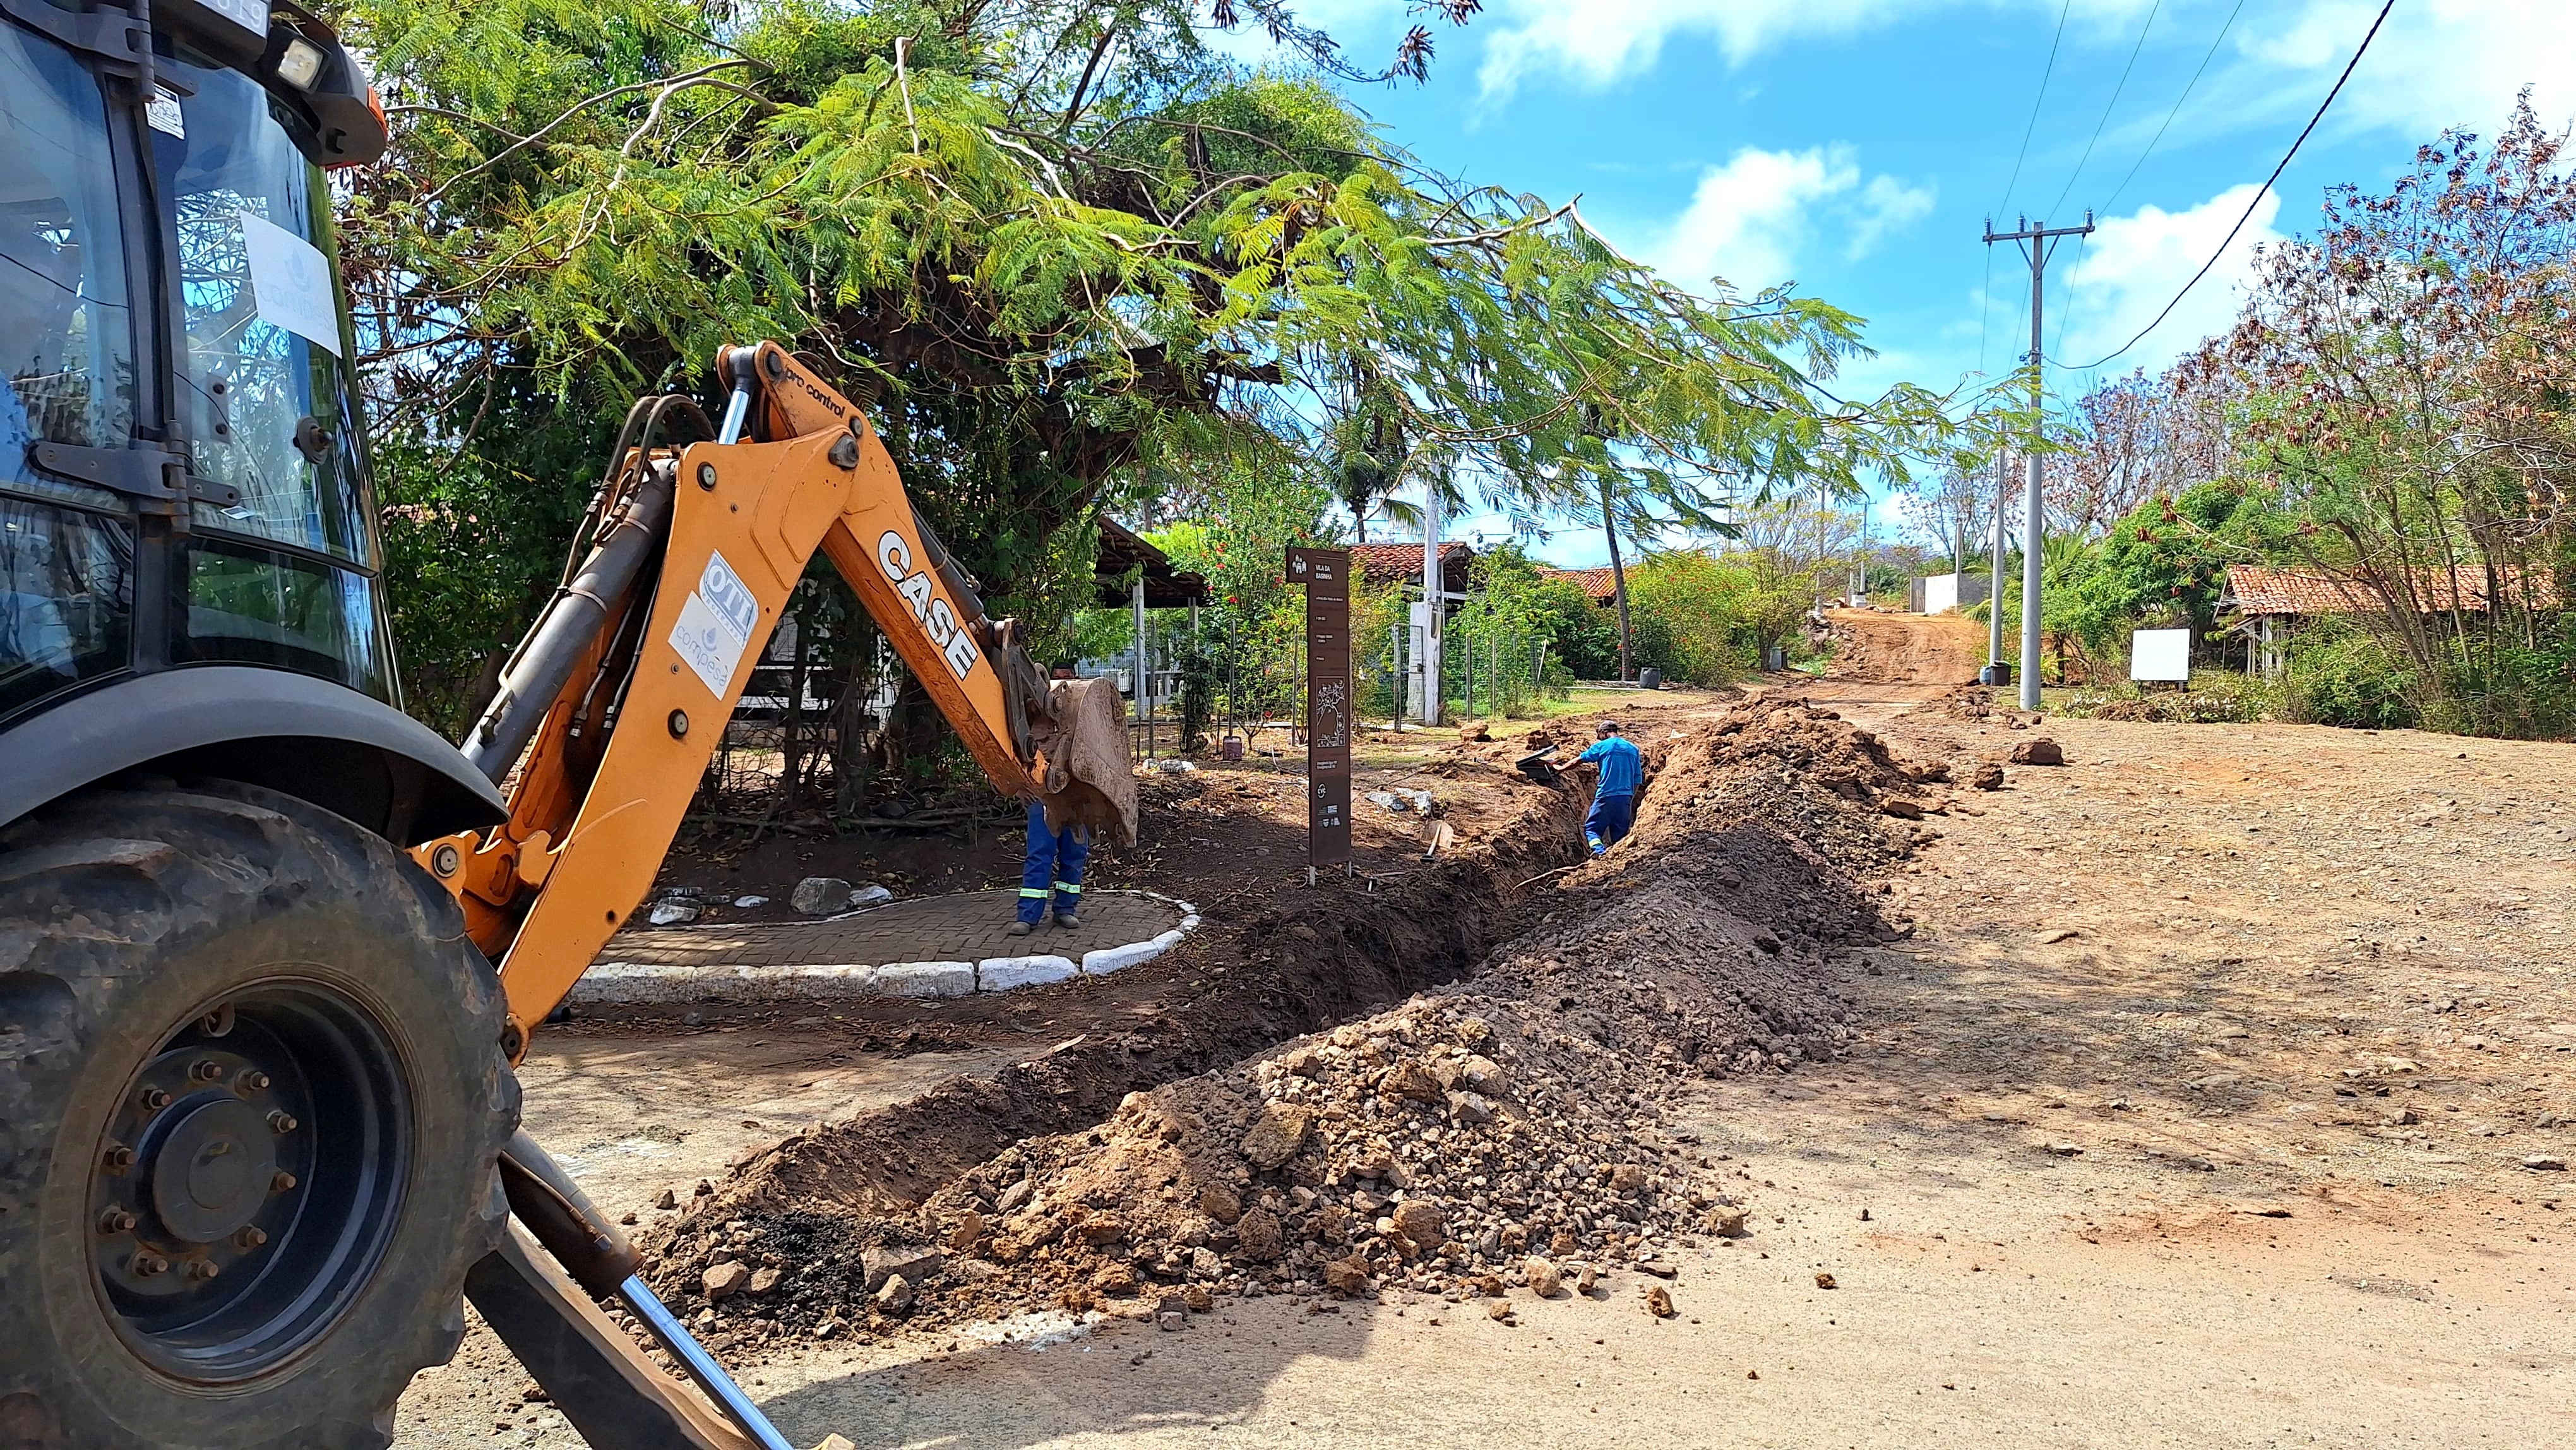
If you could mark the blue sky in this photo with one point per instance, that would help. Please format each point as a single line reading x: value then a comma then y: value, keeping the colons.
x: 1858, y: 146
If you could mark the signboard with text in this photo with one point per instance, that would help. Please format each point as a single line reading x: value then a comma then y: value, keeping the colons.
x: 1325, y: 576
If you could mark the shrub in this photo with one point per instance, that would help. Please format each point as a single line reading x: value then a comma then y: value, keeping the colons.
x: 2216, y: 697
x: 2341, y: 675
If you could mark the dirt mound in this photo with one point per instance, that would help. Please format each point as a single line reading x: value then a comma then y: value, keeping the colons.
x: 1437, y: 1147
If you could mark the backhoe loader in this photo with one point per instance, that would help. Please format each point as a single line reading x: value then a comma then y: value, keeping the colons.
x: 270, y: 950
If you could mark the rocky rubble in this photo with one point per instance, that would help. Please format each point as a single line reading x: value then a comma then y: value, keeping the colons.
x: 1501, y: 1132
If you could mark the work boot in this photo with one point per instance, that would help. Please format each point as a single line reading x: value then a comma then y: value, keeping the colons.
x: 1023, y: 928
x: 1068, y: 920
x: 1597, y: 848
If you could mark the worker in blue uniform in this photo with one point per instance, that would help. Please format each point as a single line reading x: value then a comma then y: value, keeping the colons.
x: 1051, y: 874
x: 1614, y: 800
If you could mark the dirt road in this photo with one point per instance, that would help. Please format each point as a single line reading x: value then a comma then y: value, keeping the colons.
x: 1887, y: 658
x: 2195, y: 1112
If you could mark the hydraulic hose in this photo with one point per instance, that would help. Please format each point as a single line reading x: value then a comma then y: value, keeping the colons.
x: 571, y: 621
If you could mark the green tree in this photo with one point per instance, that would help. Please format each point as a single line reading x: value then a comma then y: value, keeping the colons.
x: 1064, y: 252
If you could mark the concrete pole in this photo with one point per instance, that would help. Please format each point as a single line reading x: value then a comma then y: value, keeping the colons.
x: 1995, y: 574
x: 1144, y: 677
x: 2030, y: 500
x: 1431, y: 592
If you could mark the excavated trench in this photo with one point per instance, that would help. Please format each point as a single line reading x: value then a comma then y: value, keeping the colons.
x: 1501, y: 1123
x: 1283, y: 973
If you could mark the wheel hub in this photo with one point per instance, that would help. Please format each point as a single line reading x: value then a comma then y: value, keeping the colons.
x: 224, y: 1236
x: 210, y: 1173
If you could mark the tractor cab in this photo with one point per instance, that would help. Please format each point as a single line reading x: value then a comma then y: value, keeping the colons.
x: 182, y: 478
x: 188, y: 556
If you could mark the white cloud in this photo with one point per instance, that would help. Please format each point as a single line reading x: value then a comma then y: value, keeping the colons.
x: 2436, y: 63
x: 1595, y: 42
x: 1748, y: 219
x: 1886, y: 205
x: 2132, y: 265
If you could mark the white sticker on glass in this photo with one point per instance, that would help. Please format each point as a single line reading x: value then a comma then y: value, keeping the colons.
x: 164, y: 115
x: 290, y: 280
x: 715, y: 626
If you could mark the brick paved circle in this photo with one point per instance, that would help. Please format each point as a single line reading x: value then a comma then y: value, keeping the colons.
x: 844, y: 956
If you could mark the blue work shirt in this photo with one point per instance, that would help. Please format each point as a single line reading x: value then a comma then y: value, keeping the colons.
x: 1621, y: 767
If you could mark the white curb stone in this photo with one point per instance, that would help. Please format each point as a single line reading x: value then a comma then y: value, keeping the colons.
x: 925, y: 979
x: 1110, y: 959
x: 1001, y: 974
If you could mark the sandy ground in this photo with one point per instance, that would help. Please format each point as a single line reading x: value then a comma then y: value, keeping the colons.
x: 2193, y: 1114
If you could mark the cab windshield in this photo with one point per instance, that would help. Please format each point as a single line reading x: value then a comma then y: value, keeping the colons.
x: 284, y: 576
x: 263, y: 374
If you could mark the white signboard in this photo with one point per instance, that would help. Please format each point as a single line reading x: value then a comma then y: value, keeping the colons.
x: 290, y: 280
x: 2160, y: 654
x: 715, y: 625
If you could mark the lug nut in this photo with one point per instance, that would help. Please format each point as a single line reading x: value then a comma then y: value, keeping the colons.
x: 202, y: 1269
x: 281, y: 1181
x: 251, y: 1236
x: 208, y: 1070
x: 115, y: 1221
x: 252, y: 1081
x: 148, y: 1265
x: 117, y: 1158
x: 281, y: 1121
x: 153, y: 1099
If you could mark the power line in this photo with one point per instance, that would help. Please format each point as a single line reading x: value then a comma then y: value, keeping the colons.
x: 2045, y: 72
x: 2108, y: 106
x: 2206, y: 58
x: 2259, y: 193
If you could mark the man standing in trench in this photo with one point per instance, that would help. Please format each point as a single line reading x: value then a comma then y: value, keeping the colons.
x: 1614, y: 801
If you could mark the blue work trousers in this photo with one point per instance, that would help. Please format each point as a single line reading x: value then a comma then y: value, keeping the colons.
x: 1053, y: 869
x: 1611, y: 816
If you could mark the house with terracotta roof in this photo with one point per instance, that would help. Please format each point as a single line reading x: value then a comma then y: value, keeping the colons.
x: 1599, y: 585
x: 2271, y: 603
x: 1386, y: 563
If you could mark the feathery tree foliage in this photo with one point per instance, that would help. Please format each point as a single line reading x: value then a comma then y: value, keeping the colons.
x: 1068, y: 256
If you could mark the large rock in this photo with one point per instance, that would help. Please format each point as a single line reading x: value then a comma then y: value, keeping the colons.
x: 723, y: 1280
x: 2041, y: 751
x: 913, y: 1263
x: 1410, y: 1079
x: 1257, y: 1235
x: 1347, y: 1277
x: 1544, y: 1279
x: 1276, y: 1135
x: 1421, y: 1223
x: 820, y: 895
x: 894, y: 1295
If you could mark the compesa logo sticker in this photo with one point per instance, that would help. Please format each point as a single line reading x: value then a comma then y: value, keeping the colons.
x: 956, y: 646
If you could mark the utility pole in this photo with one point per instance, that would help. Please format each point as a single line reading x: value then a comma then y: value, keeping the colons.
x: 2037, y: 244
x: 1435, y: 602
x: 1618, y: 578
x: 1995, y: 571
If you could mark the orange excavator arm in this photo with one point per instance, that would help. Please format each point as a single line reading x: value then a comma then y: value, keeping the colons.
x: 611, y: 708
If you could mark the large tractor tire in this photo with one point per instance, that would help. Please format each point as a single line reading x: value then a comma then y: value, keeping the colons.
x: 252, y: 1093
